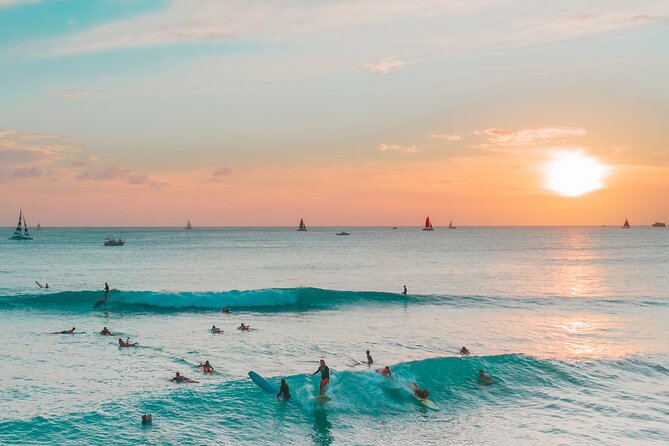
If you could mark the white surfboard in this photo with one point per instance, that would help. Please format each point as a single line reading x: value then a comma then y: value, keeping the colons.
x: 39, y: 284
x: 428, y: 403
x: 355, y: 360
x: 322, y: 399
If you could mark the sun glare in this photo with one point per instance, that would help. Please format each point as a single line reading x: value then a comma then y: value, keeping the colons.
x: 572, y: 174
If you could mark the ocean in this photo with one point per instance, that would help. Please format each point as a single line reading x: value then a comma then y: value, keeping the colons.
x: 571, y: 322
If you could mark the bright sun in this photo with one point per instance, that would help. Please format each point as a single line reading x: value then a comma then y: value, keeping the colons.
x: 573, y: 173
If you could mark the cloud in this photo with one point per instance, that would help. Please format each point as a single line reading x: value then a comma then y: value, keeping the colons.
x: 16, y: 2
x: 387, y: 66
x: 222, y: 172
x: 527, y: 139
x: 23, y: 150
x: 447, y: 136
x: 398, y: 148
x: 75, y: 95
x: 114, y: 173
x: 30, y: 172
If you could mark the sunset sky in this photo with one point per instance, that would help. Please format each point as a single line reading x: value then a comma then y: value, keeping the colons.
x: 365, y: 112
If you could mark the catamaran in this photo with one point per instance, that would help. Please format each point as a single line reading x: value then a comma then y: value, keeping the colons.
x: 21, y: 231
x: 188, y: 225
x: 302, y: 226
x: 428, y: 225
x: 626, y: 225
x: 450, y: 225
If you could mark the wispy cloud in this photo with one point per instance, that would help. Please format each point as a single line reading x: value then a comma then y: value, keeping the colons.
x: 387, y: 66
x: 114, y: 173
x: 20, y: 149
x: 520, y: 140
x: 398, y: 148
x: 448, y: 136
x: 75, y: 95
x: 222, y: 172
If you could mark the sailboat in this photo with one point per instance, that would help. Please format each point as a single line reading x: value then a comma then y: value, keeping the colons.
x: 450, y: 225
x: 428, y: 225
x: 21, y: 231
x: 39, y: 228
x: 626, y: 225
x: 188, y: 225
x: 302, y: 226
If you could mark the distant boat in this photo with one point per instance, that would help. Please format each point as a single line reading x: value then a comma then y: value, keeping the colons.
x: 659, y: 224
x: 343, y: 233
x: 21, y: 231
x: 428, y: 225
x: 450, y: 225
x: 114, y: 242
x: 188, y: 225
x: 39, y: 228
x: 394, y: 227
x: 302, y: 226
x: 626, y: 225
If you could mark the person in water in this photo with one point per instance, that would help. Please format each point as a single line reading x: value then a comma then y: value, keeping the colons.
x: 122, y: 343
x: 105, y: 331
x: 370, y: 361
x: 182, y: 379
x: 206, y: 367
x: 325, y: 376
x: 404, y: 291
x: 46, y: 285
x: 216, y: 330
x: 420, y: 393
x: 283, y: 390
x: 485, y: 378
x: 385, y: 371
x: 226, y: 310
x: 71, y: 331
x: 147, y: 419
x: 106, y: 290
x: 464, y: 351
x: 243, y: 326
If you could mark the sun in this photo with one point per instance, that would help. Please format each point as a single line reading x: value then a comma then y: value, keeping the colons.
x: 573, y: 174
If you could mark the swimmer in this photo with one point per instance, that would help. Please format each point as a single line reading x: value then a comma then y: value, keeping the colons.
x: 216, y: 330
x: 385, y: 371
x: 485, y: 378
x: 420, y: 393
x: 71, y: 331
x: 225, y: 310
x: 206, y: 368
x: 284, y: 390
x: 370, y: 361
x: 147, y: 419
x: 325, y: 376
x: 464, y: 351
x: 105, y: 332
x: 46, y: 285
x: 182, y: 379
x: 122, y: 343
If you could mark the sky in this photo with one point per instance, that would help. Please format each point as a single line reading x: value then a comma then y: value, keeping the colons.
x: 341, y: 112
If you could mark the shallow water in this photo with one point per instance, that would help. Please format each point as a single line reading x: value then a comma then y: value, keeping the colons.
x: 572, y: 323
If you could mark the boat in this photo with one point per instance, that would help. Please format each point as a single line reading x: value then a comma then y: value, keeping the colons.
x: 428, y: 225
x: 21, y: 231
x: 394, y: 227
x: 188, y: 225
x: 302, y: 226
x: 626, y: 225
x: 109, y: 241
x: 343, y: 233
x: 450, y: 225
x: 659, y: 224
x: 39, y: 228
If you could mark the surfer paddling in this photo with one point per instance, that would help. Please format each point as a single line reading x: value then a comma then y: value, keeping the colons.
x: 105, y: 332
x: 126, y: 343
x: 70, y: 331
x: 206, y: 368
x: 179, y: 378
x: 485, y: 379
x: 385, y: 371
x: 216, y: 330
x: 284, y: 391
x: 243, y: 327
x: 420, y: 393
x: 325, y: 376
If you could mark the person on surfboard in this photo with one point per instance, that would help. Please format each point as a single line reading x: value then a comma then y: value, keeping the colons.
x: 46, y: 285
x: 122, y: 343
x: 404, y: 291
x: 179, y: 378
x: 105, y: 331
x: 283, y: 390
x: 206, y: 367
x: 370, y: 361
x: 216, y: 330
x: 243, y: 327
x: 464, y: 351
x: 106, y: 290
x: 71, y: 331
x: 385, y: 371
x: 325, y: 376
x: 485, y: 378
x: 420, y: 393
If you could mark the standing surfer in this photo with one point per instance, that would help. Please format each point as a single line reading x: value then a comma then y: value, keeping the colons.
x: 106, y: 290
x: 404, y: 291
x: 325, y: 376
x: 283, y: 391
x: 370, y: 361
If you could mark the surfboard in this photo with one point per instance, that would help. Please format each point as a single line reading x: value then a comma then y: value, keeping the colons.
x: 263, y: 383
x: 428, y: 403
x: 39, y: 284
x: 322, y: 399
x: 355, y: 360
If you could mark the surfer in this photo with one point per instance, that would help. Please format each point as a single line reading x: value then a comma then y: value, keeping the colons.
x: 182, y: 379
x: 225, y: 310
x: 106, y: 332
x: 206, y: 367
x: 243, y: 327
x: 420, y: 393
x: 404, y: 291
x: 71, y: 331
x: 122, y: 343
x: 485, y: 378
x: 216, y: 330
x: 325, y: 376
x: 106, y: 290
x: 46, y: 285
x: 283, y: 391
x: 464, y: 351
x: 385, y: 371
x: 147, y: 419
x: 370, y: 361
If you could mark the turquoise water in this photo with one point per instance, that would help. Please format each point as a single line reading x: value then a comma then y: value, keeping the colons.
x: 571, y: 322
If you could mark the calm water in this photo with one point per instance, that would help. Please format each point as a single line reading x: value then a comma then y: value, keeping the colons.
x: 572, y: 323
